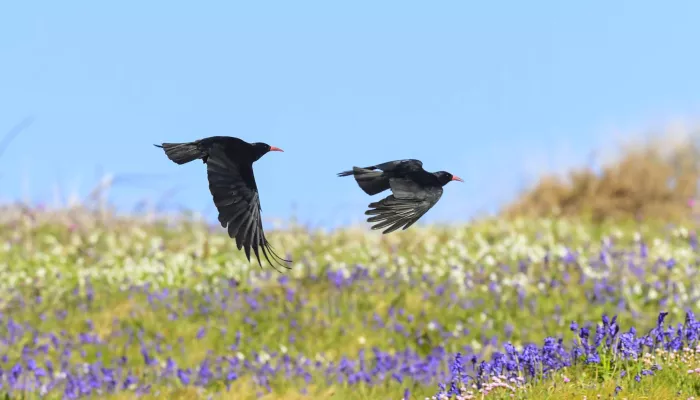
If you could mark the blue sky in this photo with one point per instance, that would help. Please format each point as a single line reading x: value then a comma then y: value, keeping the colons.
x: 485, y: 90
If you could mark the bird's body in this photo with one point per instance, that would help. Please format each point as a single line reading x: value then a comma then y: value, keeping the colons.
x: 232, y: 184
x: 414, y: 191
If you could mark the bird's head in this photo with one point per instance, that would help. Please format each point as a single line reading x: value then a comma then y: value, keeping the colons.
x: 260, y: 149
x: 445, y: 177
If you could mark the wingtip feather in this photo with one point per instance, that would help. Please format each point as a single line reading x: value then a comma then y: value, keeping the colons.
x: 239, y: 210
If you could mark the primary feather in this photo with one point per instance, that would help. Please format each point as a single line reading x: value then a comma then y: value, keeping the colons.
x: 408, y: 203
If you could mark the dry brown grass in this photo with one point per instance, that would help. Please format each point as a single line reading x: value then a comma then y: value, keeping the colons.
x: 654, y: 180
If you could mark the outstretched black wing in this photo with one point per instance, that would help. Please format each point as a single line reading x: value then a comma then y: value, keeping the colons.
x: 404, y: 207
x: 236, y: 197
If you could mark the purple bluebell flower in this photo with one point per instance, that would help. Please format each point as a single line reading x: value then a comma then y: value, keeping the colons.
x: 573, y: 326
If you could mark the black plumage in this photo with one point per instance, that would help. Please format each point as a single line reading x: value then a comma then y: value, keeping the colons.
x: 414, y: 191
x: 232, y: 184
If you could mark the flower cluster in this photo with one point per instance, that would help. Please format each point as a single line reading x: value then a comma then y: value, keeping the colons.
x: 533, y: 363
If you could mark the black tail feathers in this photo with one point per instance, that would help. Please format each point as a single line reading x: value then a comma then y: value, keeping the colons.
x: 369, y: 180
x: 182, y: 153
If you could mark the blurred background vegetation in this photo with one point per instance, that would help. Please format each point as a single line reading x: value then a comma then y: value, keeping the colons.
x: 655, y: 178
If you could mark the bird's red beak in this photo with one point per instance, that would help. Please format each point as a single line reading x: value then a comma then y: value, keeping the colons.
x: 456, y: 178
x: 273, y: 148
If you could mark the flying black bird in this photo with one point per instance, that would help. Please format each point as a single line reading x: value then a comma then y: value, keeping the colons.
x: 415, y: 191
x: 229, y: 163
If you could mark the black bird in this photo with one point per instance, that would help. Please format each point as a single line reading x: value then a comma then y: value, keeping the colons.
x: 229, y: 163
x: 415, y: 191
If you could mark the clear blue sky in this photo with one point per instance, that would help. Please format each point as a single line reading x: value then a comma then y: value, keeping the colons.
x: 480, y: 89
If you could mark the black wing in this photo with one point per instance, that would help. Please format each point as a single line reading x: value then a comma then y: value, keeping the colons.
x: 394, y: 168
x: 373, y: 182
x: 404, y: 207
x: 236, y: 197
x: 401, y: 166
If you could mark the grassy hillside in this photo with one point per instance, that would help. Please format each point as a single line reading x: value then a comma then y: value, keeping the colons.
x: 585, y: 287
x: 98, y: 306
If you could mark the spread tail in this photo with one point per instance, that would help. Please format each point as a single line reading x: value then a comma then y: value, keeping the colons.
x: 182, y: 153
x: 369, y: 180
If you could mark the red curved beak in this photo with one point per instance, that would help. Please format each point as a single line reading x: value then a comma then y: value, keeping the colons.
x: 273, y: 148
x: 456, y: 178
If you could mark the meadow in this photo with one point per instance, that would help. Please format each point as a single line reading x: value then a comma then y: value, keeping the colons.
x: 98, y: 306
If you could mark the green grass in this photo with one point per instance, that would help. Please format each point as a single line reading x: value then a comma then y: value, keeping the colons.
x: 486, y: 296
